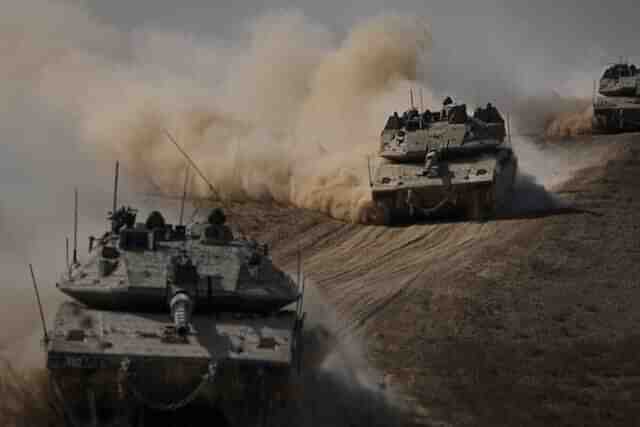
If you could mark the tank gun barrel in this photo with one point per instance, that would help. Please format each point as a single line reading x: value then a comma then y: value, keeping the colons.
x: 182, y: 281
x: 181, y: 306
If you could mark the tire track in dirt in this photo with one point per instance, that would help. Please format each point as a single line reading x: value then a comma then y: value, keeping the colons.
x: 376, y: 278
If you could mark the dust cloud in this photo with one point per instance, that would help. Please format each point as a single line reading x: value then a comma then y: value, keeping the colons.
x: 337, y: 385
x: 572, y: 123
x: 552, y: 115
x: 288, y: 114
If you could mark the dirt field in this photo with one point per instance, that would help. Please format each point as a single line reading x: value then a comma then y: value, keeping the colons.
x: 528, y: 320
x: 524, y: 321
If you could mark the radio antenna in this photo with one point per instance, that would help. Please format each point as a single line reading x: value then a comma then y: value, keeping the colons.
x: 301, y: 284
x: 193, y: 164
x: 67, y: 256
x: 35, y: 288
x: 75, y: 226
x: 115, y: 187
x: 115, y: 197
x: 184, y: 193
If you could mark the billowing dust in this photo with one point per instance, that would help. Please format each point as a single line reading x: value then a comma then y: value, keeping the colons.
x: 553, y: 116
x: 289, y: 114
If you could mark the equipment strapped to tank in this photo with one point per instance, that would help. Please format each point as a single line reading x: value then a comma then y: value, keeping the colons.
x: 129, y: 383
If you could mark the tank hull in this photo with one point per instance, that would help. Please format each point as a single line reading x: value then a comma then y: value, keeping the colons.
x: 242, y: 395
x: 433, y: 199
x: 617, y: 115
x: 111, y: 365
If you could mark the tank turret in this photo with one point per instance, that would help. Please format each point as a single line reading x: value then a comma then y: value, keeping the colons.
x: 617, y: 104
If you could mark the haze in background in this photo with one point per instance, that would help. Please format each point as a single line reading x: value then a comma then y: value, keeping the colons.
x: 67, y: 65
x: 535, y: 46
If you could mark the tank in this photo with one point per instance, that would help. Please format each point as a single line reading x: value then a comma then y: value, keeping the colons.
x: 617, y: 104
x: 163, y: 316
x: 453, y: 165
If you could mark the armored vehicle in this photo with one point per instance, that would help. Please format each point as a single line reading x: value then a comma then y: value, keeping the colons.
x: 461, y: 165
x: 617, y: 106
x: 161, y: 316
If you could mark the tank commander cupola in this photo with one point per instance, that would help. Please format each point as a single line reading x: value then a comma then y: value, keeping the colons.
x: 217, y: 217
x: 217, y: 231
x: 155, y: 220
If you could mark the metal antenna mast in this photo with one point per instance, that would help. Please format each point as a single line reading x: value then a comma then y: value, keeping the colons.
x: 35, y: 287
x: 193, y: 164
x: 75, y: 226
x: 184, y: 193
x: 115, y: 187
x: 115, y: 197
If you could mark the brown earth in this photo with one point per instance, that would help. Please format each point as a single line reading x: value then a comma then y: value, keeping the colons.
x: 527, y: 320
x: 522, y: 321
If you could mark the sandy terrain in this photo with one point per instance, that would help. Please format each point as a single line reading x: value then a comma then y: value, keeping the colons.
x: 527, y: 320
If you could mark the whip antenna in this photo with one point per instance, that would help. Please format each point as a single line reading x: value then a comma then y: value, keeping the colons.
x: 115, y: 187
x: 115, y: 197
x: 35, y: 287
x: 193, y: 164
x: 184, y: 193
x: 75, y: 226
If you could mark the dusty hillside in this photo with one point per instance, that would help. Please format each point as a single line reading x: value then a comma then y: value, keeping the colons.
x: 521, y: 321
x: 526, y: 320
